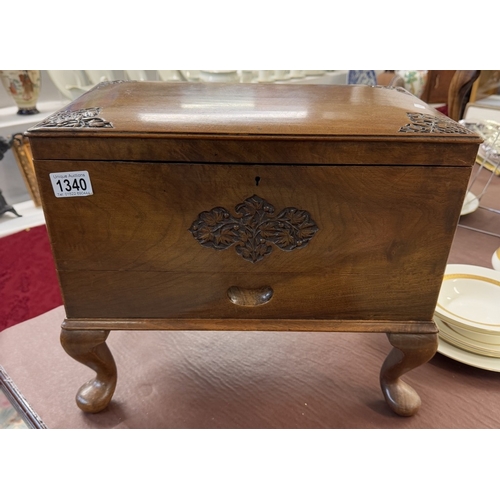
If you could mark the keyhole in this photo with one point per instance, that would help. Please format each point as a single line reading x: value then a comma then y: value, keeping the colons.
x: 257, y: 180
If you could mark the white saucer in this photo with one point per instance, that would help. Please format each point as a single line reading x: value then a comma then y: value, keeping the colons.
x: 471, y: 203
x: 468, y: 358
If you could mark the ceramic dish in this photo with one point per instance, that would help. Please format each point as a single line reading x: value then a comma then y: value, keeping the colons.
x: 71, y: 84
x: 487, y: 339
x: 471, y: 204
x: 469, y: 298
x: 136, y: 74
x: 100, y: 75
x: 169, y: 75
x: 468, y: 358
x: 495, y: 259
x: 465, y: 344
x: 219, y: 75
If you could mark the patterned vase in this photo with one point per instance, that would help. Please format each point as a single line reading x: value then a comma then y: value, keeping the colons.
x: 24, y: 87
x: 361, y: 77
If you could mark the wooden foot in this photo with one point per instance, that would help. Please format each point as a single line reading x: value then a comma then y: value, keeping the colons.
x: 89, y: 348
x: 410, y: 351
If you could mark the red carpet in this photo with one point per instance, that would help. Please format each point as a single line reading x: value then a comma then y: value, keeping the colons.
x: 28, y: 280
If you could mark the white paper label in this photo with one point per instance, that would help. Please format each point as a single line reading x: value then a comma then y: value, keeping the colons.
x: 71, y: 184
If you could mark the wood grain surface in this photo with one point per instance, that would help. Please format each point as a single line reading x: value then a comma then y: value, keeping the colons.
x: 134, y: 108
x: 378, y: 243
x: 342, y: 200
x: 252, y: 379
x: 280, y: 124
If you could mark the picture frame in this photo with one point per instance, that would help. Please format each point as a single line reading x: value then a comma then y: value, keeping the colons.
x: 22, y: 153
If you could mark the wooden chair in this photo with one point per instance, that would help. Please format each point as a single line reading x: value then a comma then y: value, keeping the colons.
x: 486, y: 85
x: 460, y: 91
x: 390, y: 78
x: 437, y: 86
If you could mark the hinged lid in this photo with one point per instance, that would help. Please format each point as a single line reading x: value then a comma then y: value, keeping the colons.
x: 269, y: 123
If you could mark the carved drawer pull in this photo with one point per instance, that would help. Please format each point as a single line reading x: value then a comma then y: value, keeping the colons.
x: 250, y: 297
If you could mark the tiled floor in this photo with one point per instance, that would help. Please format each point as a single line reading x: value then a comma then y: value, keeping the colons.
x: 9, y: 417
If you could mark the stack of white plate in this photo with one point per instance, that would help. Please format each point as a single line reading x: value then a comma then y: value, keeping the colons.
x: 468, y: 316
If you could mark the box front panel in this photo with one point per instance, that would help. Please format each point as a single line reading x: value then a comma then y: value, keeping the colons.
x: 333, y: 242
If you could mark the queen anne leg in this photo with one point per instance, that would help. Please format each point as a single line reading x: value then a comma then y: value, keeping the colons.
x: 89, y: 348
x: 409, y: 352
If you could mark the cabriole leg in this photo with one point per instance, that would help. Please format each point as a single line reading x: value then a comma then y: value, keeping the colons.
x: 89, y: 348
x: 409, y: 352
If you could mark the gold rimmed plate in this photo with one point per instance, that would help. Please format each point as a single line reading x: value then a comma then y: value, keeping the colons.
x: 451, y: 337
x: 471, y: 204
x: 470, y: 298
x: 468, y: 358
x: 490, y: 340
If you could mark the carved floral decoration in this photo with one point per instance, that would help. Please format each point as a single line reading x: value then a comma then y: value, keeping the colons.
x: 81, y: 118
x: 255, y: 229
x: 106, y: 83
x: 428, y: 124
x: 390, y: 87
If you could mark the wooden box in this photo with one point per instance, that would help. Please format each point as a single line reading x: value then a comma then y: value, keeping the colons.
x: 242, y: 207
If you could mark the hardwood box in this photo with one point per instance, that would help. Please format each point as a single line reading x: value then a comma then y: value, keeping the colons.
x: 233, y: 206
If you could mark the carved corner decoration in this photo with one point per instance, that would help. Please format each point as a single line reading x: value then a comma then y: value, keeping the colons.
x: 254, y: 229
x: 81, y: 118
x: 430, y: 124
x: 106, y: 83
x: 403, y: 90
x: 390, y: 87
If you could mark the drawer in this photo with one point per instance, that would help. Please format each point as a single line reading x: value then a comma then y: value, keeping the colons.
x: 357, y: 295
x: 143, y: 216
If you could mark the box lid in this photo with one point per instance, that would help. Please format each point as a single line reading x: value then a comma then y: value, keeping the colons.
x: 325, y: 124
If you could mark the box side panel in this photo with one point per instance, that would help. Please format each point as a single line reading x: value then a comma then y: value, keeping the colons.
x: 422, y: 151
x: 378, y: 246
